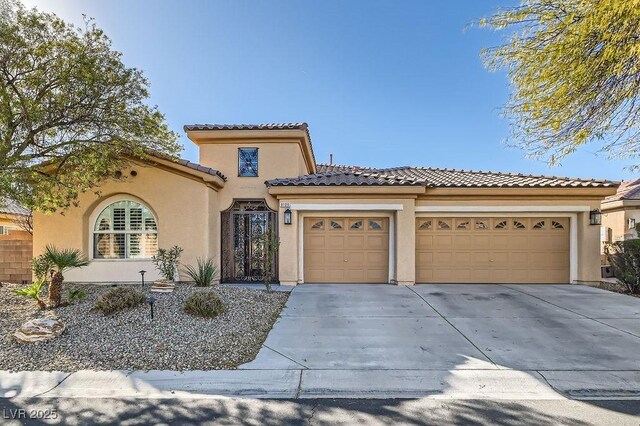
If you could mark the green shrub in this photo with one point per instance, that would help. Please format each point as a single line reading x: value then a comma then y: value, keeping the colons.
x: 76, y: 295
x: 33, y: 291
x: 167, y: 261
x: 118, y: 299
x: 41, y: 266
x: 204, y: 304
x: 203, y: 274
x: 624, y: 258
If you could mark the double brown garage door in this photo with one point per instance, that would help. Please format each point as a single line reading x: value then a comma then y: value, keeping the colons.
x: 492, y: 250
x: 346, y: 250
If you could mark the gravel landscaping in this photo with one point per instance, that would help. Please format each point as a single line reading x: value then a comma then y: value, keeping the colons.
x: 130, y: 340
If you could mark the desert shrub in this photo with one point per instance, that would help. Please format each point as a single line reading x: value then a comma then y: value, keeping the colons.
x: 76, y: 295
x: 33, y: 291
x: 206, y: 304
x: 118, y: 299
x: 204, y: 273
x: 624, y: 258
x: 167, y: 261
x: 41, y: 266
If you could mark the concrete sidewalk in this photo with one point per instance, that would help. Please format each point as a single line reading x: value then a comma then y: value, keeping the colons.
x: 291, y: 384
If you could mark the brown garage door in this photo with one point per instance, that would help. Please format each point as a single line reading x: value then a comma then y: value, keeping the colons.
x: 492, y: 250
x: 346, y: 250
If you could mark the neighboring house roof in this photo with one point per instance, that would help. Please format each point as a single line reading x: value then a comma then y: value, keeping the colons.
x: 8, y: 206
x: 628, y: 190
x: 338, y: 175
x: 267, y: 126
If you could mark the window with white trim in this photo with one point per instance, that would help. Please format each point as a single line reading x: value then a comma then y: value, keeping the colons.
x: 4, y: 230
x: 125, y: 230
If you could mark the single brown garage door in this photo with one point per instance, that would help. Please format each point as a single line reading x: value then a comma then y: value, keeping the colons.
x: 492, y: 250
x: 346, y: 250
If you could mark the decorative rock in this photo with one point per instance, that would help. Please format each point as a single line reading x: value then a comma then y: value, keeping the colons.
x: 163, y: 286
x: 39, y: 329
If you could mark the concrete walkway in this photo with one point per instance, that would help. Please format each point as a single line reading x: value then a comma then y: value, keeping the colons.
x: 436, y: 341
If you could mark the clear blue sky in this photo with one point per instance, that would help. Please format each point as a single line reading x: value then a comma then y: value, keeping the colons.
x: 381, y: 83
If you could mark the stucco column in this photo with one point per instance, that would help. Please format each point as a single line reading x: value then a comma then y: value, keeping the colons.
x: 288, y: 253
x: 406, y: 244
x: 588, y: 249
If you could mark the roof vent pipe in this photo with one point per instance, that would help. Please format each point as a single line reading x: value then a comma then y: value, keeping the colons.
x: 331, y: 159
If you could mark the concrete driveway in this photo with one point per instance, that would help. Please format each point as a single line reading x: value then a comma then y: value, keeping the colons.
x: 550, y: 331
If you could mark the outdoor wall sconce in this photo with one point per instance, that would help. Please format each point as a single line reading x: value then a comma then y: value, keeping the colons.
x: 287, y: 217
x: 151, y: 300
x: 142, y: 275
x: 595, y: 217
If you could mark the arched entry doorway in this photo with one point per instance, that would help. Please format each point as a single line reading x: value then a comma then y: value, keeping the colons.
x: 244, y: 226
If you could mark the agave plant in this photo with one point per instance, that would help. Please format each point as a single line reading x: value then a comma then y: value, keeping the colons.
x: 203, y: 274
x: 62, y: 261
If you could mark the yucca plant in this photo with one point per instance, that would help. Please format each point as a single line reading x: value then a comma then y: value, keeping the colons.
x: 62, y: 261
x: 204, y: 273
x: 33, y: 291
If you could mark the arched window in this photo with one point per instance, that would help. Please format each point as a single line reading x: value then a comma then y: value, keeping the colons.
x: 125, y: 230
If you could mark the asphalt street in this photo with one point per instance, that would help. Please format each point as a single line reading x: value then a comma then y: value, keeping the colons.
x: 104, y: 411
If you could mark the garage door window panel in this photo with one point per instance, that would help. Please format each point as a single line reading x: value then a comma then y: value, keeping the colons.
x: 463, y: 224
x: 357, y: 225
x: 502, y: 224
x: 519, y: 225
x: 336, y: 224
x: 539, y: 225
x: 482, y: 224
x: 444, y: 224
x: 318, y: 226
x: 425, y: 225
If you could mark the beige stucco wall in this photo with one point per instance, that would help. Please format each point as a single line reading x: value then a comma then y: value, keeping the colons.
x: 275, y: 160
x: 182, y: 206
x: 617, y: 221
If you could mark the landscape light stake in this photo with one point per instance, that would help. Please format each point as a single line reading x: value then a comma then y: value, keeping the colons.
x: 142, y: 274
x: 151, y: 301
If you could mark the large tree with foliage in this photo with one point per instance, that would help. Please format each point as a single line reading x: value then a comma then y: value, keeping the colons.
x: 71, y: 113
x: 574, y: 66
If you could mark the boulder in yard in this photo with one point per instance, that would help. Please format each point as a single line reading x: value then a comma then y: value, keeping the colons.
x: 39, y: 329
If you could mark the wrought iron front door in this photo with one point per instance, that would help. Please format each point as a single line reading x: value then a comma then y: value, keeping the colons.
x: 243, y: 249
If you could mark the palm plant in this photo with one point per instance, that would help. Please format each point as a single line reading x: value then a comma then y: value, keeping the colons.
x: 203, y: 274
x: 33, y: 291
x: 62, y: 261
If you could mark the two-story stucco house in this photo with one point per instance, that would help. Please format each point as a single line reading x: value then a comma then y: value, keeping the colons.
x: 336, y: 224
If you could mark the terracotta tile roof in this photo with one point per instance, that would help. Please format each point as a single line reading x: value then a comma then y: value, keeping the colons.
x: 264, y: 126
x: 325, y: 168
x: 432, y: 177
x: 8, y: 206
x: 628, y: 190
x: 189, y: 164
x: 346, y: 178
